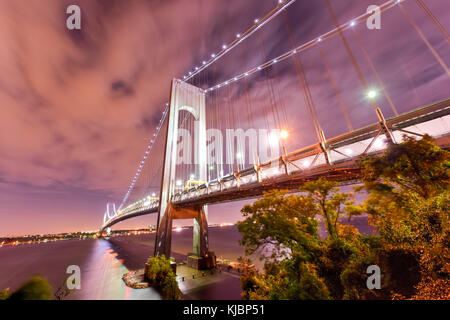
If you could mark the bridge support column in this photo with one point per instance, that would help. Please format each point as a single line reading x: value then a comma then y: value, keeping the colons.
x: 384, y: 127
x: 192, y: 100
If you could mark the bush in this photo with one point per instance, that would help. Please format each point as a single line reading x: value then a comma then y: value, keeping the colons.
x: 36, y: 288
x: 160, y: 275
x: 4, y: 294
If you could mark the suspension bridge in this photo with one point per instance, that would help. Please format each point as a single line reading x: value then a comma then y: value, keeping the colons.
x: 275, y: 140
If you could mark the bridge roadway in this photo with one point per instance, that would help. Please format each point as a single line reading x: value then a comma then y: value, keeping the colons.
x: 291, y: 170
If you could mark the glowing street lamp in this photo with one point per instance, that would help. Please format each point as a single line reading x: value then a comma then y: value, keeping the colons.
x: 284, y: 134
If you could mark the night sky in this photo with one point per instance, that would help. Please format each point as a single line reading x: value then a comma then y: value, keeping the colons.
x: 77, y: 107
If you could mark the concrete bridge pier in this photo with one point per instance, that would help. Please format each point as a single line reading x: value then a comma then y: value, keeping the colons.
x: 191, y: 99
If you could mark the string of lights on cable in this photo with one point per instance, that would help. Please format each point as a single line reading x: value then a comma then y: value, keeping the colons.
x: 146, y: 155
x: 258, y: 23
x: 349, y: 24
x: 240, y: 37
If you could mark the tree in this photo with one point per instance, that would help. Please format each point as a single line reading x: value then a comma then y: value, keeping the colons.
x: 301, y: 266
x: 330, y: 202
x: 282, y: 222
x: 407, y: 201
x: 4, y: 294
x: 409, y: 205
x: 159, y: 273
x: 417, y: 167
x: 36, y: 288
x: 401, y: 184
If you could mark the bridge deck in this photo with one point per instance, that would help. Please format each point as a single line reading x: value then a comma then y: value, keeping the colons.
x: 293, y: 169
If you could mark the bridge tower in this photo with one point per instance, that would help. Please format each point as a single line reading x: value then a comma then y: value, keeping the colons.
x: 191, y: 99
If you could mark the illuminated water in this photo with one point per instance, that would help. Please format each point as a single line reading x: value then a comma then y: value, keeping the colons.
x: 103, y: 262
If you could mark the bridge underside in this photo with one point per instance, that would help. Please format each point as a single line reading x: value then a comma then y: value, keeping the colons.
x: 287, y: 172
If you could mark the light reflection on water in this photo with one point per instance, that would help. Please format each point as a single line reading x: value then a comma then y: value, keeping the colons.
x: 101, y: 269
x: 103, y: 277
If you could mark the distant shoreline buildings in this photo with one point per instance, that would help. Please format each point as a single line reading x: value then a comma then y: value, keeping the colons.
x: 82, y: 235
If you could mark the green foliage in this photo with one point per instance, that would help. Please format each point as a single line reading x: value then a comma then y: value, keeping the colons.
x: 4, y: 294
x: 409, y: 204
x: 36, y: 288
x: 282, y: 221
x: 159, y: 273
x: 291, y: 279
x: 414, y: 166
x: 330, y: 203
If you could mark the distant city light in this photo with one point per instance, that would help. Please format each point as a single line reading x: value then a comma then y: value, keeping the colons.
x: 179, y: 183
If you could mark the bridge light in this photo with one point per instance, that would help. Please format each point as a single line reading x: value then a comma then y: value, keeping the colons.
x: 306, y: 163
x: 378, y: 143
x: 352, y: 24
x: 273, y: 139
x: 371, y: 94
x: 284, y: 134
